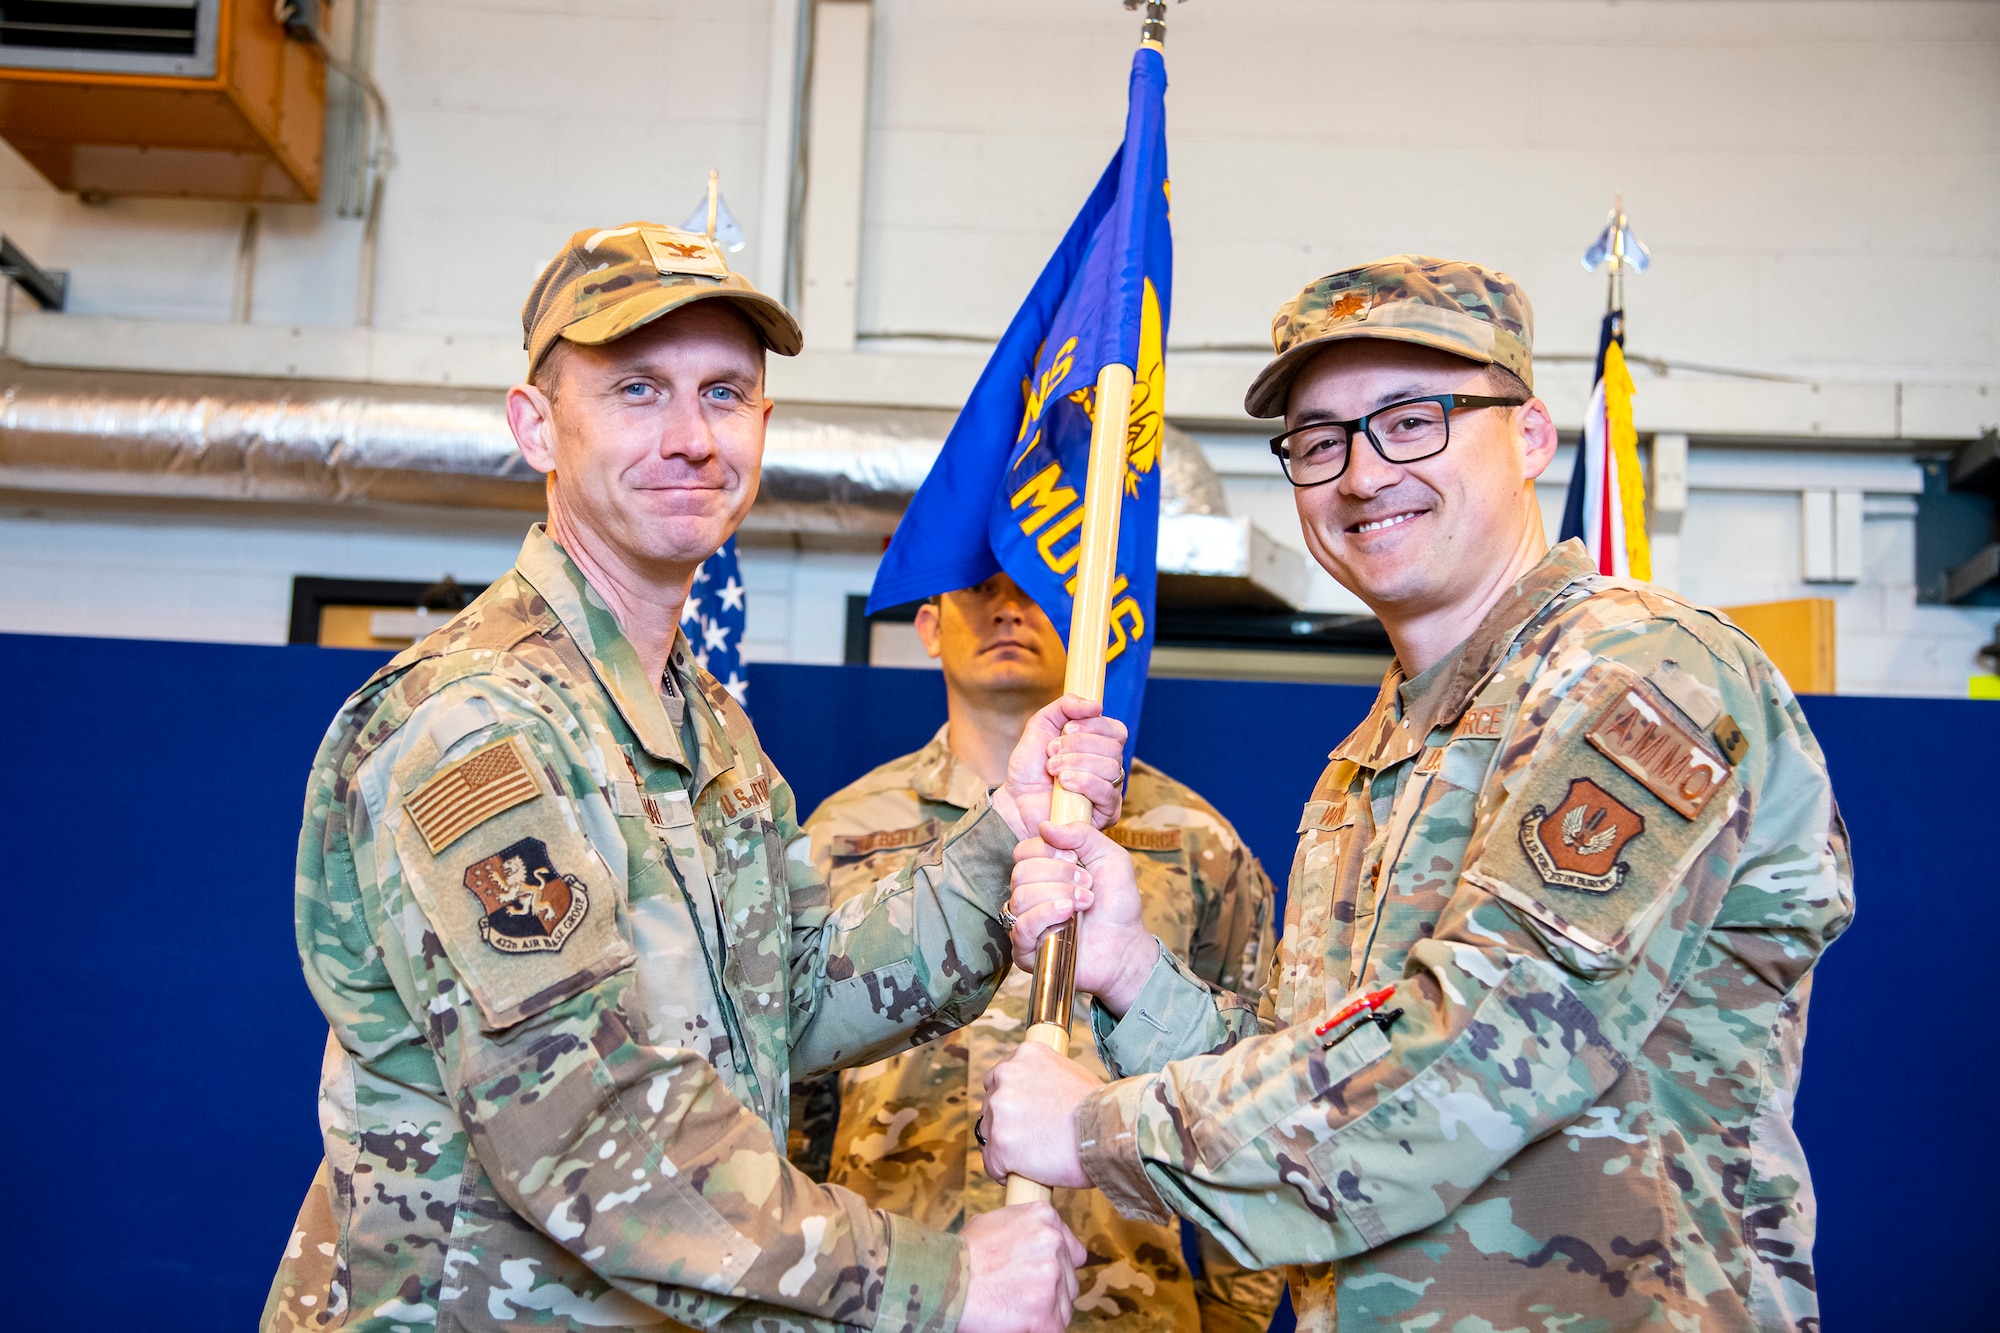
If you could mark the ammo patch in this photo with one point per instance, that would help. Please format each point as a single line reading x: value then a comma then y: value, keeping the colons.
x: 1145, y: 839
x: 846, y: 845
x: 471, y: 791
x: 1576, y: 845
x: 530, y: 906
x: 1660, y: 753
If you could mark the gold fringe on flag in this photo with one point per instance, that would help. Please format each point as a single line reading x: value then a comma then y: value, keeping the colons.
x: 1624, y: 442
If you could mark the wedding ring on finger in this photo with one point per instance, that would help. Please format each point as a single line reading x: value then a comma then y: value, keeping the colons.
x: 1007, y: 917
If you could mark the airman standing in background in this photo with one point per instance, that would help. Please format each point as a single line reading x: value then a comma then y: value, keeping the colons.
x: 905, y: 1124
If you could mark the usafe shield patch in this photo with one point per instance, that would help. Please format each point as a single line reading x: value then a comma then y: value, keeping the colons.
x: 1576, y: 845
x: 1657, y: 750
x: 530, y: 906
x: 466, y: 794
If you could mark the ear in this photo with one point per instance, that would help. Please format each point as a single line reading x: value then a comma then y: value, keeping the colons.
x: 1537, y: 432
x: 928, y: 629
x: 531, y: 416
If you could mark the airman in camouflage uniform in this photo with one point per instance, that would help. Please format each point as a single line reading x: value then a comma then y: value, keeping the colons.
x: 904, y: 1138
x: 545, y: 903
x: 1540, y: 1001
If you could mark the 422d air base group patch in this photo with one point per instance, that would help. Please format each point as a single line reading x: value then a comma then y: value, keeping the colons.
x: 529, y: 905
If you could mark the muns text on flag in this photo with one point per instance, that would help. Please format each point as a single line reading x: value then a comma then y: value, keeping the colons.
x: 1007, y: 490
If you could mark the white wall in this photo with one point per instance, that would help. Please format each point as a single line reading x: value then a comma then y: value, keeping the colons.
x: 1818, y: 180
x: 1740, y: 544
x: 222, y: 573
x: 1820, y: 183
x: 1793, y: 165
x: 515, y: 125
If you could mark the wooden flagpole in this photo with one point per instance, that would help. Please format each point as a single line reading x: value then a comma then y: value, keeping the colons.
x: 1054, y: 993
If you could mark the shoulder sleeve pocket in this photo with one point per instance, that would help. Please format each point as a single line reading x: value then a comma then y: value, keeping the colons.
x: 1604, y: 820
x: 525, y: 907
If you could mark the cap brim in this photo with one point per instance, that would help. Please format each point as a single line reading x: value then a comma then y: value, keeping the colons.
x: 774, y: 324
x: 1268, y: 393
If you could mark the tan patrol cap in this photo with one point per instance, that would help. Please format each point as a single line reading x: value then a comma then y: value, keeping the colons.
x: 1469, y: 311
x: 607, y: 283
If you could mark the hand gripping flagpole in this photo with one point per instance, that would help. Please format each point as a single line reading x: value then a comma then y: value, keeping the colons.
x: 1054, y: 992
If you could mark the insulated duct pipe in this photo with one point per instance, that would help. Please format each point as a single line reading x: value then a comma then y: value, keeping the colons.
x: 826, y: 469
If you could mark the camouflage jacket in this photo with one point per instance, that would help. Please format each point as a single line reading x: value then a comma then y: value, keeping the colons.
x: 904, y: 1138
x: 570, y: 976
x: 1591, y: 857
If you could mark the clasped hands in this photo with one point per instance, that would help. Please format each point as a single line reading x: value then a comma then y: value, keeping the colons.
x: 1064, y: 870
x: 1023, y: 1259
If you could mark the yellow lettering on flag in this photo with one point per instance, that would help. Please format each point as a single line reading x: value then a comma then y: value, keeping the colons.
x: 1036, y: 397
x: 1061, y: 528
x: 1048, y: 498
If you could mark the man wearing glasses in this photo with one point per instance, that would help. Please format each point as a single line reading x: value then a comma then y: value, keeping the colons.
x: 1529, y: 1054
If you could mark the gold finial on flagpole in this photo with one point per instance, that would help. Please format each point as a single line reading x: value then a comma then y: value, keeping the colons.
x: 713, y: 192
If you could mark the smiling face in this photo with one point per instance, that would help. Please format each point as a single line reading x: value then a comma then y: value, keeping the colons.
x: 652, y: 443
x: 1411, y: 539
x: 995, y: 644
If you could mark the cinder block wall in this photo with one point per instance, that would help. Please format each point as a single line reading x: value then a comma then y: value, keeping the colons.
x: 1820, y: 183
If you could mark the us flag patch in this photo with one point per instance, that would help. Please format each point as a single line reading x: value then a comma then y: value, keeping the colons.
x: 470, y: 792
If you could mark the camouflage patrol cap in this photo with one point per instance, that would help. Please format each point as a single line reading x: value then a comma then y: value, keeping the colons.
x: 1477, y: 313
x: 607, y: 283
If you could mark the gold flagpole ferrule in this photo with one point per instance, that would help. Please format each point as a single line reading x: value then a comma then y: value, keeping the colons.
x: 1153, y: 32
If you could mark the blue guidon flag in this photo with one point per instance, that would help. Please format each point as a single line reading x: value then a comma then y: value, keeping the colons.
x: 1007, y: 491
x: 712, y: 619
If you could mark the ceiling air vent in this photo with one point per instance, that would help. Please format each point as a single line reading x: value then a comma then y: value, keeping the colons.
x: 165, y: 37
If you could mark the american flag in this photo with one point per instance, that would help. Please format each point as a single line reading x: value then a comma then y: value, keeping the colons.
x: 713, y: 620
x: 470, y: 792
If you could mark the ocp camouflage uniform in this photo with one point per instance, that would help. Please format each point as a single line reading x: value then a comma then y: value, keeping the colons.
x: 1594, y: 854
x: 570, y: 975
x: 904, y: 1140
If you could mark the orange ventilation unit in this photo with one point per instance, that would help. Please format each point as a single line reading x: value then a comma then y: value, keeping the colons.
x: 198, y: 99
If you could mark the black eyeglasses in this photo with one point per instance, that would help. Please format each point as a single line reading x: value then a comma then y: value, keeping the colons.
x: 1404, y: 432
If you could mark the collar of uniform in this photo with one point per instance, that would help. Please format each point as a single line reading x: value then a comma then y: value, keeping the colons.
x: 613, y: 659
x: 938, y: 776
x: 1406, y: 711
x: 701, y: 693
